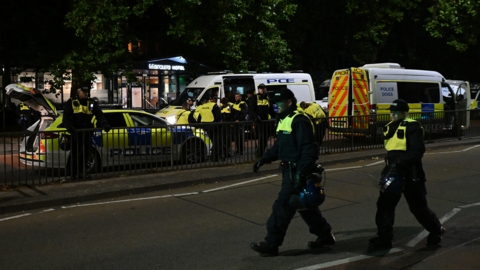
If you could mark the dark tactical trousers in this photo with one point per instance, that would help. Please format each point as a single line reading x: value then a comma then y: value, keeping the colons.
x: 263, y: 130
x: 282, y: 214
x: 80, y: 152
x: 239, y: 138
x: 415, y: 194
x: 218, y: 147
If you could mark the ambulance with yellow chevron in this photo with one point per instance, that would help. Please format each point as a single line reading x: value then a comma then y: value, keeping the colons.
x: 228, y: 84
x: 359, y: 98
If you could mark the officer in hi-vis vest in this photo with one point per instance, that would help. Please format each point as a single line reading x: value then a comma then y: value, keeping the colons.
x: 296, y: 148
x: 182, y: 115
x: 78, y: 114
x: 403, y: 173
x: 211, y: 113
x: 227, y: 130
x: 240, y: 111
x: 260, y: 109
x: 25, y: 114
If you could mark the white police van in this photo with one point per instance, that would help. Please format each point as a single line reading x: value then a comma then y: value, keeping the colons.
x: 229, y: 84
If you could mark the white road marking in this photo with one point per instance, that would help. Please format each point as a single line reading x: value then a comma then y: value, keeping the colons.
x: 425, y: 233
x: 19, y: 216
x: 444, y: 219
x: 349, y: 260
x: 458, y: 151
x: 241, y: 183
x: 346, y: 168
x: 131, y: 200
x: 469, y: 205
x: 375, y: 163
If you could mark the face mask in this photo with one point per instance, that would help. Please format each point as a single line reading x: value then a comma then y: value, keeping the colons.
x: 282, y: 106
x: 397, y: 115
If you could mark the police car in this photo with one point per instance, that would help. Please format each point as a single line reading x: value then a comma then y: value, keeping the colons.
x: 136, y: 137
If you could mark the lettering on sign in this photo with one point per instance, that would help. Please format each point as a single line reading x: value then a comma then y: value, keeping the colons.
x: 357, y: 70
x: 343, y: 88
x: 128, y: 152
x: 387, y: 91
x: 345, y: 72
x: 280, y: 80
x: 166, y: 67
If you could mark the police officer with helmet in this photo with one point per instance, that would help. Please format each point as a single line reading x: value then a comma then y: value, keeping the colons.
x: 296, y: 148
x: 78, y: 114
x: 403, y: 173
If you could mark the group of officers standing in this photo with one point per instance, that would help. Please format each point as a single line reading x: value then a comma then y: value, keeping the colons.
x: 256, y: 107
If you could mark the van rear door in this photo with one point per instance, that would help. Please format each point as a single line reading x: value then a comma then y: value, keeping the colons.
x: 338, y: 99
x: 361, y: 105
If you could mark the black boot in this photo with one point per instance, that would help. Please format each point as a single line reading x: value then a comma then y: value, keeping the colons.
x: 379, y: 243
x: 434, y: 239
x: 328, y: 240
x: 265, y: 249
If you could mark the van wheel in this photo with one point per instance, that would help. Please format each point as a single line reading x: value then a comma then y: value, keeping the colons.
x: 193, y: 151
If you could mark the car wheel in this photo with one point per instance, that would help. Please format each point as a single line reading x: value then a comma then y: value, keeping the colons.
x: 193, y: 151
x: 93, y: 163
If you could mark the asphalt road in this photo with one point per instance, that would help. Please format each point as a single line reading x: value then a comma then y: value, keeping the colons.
x: 211, y: 226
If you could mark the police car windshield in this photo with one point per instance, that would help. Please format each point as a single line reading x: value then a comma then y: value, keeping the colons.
x: 187, y: 93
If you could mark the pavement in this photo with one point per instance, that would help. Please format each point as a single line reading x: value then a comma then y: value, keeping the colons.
x: 36, y: 197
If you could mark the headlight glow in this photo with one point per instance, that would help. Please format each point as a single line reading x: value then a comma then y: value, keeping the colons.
x: 171, y: 119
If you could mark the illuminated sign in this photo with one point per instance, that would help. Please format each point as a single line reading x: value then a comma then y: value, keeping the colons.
x: 165, y: 67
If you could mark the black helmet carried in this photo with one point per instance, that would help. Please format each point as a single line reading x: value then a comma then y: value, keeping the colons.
x: 312, y: 195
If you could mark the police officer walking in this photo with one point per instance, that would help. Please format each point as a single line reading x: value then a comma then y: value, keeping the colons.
x: 210, y: 113
x: 240, y: 111
x: 403, y: 139
x: 296, y: 148
x: 78, y: 114
x: 259, y: 109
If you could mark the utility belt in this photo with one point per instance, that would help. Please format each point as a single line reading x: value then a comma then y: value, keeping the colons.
x: 292, y: 166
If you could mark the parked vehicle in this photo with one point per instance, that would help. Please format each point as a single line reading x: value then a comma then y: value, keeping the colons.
x: 368, y: 91
x: 136, y: 137
x: 228, y: 84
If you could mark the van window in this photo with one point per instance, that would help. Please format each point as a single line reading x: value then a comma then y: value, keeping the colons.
x: 237, y: 85
x: 301, y: 91
x: 187, y: 93
x: 206, y: 96
x: 414, y: 92
x: 322, y: 91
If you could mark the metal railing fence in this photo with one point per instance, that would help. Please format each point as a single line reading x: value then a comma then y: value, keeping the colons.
x: 33, y: 158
